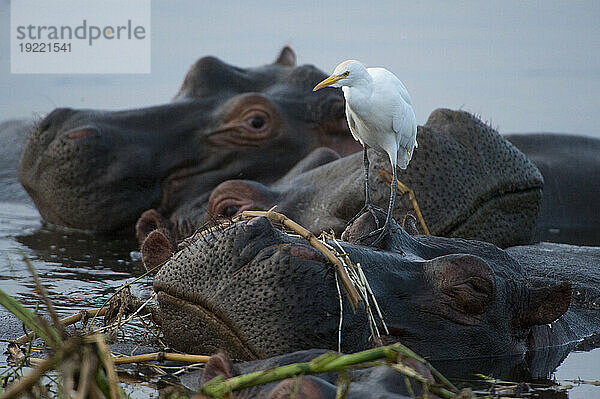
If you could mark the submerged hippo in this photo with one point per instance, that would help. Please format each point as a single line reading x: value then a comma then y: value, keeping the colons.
x: 257, y: 292
x: 570, y: 164
x: 376, y: 382
x: 99, y: 170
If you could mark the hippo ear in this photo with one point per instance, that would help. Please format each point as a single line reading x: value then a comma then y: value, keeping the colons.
x: 546, y: 304
x: 466, y: 284
x: 156, y: 249
x: 149, y: 221
x: 232, y: 197
x: 217, y: 365
x: 287, y: 57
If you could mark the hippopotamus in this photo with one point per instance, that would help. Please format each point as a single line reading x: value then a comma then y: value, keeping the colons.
x: 468, y: 181
x: 375, y: 382
x: 99, y: 170
x: 254, y: 291
x: 570, y: 165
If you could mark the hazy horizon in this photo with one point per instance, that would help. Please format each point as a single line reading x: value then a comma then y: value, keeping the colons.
x: 523, y: 66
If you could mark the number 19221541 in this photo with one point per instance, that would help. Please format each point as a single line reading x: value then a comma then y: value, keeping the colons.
x: 45, y: 47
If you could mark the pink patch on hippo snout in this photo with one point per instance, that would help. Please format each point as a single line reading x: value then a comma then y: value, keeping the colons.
x: 303, y: 252
x: 81, y: 132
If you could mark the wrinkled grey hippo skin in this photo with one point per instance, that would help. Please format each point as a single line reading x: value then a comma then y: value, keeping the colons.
x: 376, y: 382
x: 13, y: 133
x: 99, y: 170
x: 257, y: 292
x: 469, y: 182
x: 570, y: 164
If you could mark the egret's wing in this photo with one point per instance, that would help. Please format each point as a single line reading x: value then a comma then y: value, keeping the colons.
x: 404, y: 124
x: 384, y: 77
x: 352, y: 124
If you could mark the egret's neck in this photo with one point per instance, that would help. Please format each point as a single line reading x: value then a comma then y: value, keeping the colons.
x: 358, y: 95
x: 359, y: 90
x: 362, y: 82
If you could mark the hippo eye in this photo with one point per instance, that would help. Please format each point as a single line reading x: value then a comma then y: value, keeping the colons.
x: 230, y: 211
x: 257, y: 122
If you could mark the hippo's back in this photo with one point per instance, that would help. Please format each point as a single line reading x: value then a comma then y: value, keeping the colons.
x: 570, y: 164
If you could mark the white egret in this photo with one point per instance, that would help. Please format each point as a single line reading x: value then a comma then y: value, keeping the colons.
x: 380, y: 116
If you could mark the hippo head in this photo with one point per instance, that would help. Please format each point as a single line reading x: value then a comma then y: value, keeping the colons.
x: 255, y: 292
x: 468, y: 181
x: 99, y: 170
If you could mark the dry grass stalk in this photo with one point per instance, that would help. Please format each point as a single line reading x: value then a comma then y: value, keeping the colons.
x: 87, y: 355
x: 44, y: 294
x: 160, y: 357
x: 67, y: 321
x: 371, y: 295
x: 17, y: 389
x: 351, y: 291
x: 109, y: 366
x: 337, y: 285
x: 359, y: 280
x: 88, y: 365
x: 404, y: 189
x: 124, y: 307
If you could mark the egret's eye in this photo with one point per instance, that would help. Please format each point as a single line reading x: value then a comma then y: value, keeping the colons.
x: 257, y: 122
x: 346, y: 73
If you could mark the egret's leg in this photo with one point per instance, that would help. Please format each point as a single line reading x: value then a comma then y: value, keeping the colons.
x: 382, y: 231
x: 404, y: 189
x: 368, y: 203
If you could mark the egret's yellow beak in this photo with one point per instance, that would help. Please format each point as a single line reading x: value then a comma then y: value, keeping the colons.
x: 329, y: 81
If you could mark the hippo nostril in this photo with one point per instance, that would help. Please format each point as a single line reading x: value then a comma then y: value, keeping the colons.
x: 230, y: 211
x: 81, y: 132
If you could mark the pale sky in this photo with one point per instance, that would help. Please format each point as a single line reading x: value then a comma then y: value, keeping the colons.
x: 525, y: 66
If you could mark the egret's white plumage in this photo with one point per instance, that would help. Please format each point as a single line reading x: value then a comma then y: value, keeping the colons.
x: 380, y: 115
x: 379, y: 110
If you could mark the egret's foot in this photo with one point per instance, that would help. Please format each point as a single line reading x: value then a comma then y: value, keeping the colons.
x: 372, y: 210
x: 379, y: 232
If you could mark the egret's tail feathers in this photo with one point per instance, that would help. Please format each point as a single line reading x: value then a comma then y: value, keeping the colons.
x: 404, y: 157
x: 406, y: 147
